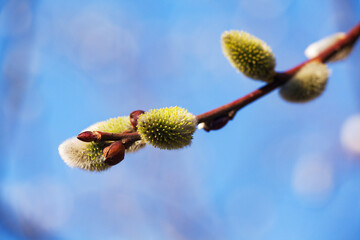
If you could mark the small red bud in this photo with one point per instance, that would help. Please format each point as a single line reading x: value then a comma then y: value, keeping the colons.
x: 217, y: 123
x: 134, y: 118
x: 89, y: 136
x: 114, y: 153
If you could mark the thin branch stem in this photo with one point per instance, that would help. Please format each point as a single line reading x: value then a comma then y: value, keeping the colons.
x: 97, y: 136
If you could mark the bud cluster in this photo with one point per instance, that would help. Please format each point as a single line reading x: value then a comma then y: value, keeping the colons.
x: 104, y: 144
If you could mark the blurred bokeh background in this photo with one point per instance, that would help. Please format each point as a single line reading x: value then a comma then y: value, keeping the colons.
x: 277, y: 171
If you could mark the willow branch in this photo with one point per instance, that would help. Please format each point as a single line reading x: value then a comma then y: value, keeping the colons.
x: 226, y: 112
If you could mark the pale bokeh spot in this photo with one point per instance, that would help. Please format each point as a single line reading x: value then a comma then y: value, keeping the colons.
x: 350, y: 134
x: 313, y: 179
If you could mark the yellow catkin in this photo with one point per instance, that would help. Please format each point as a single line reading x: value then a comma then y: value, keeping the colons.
x: 167, y: 128
x: 249, y: 55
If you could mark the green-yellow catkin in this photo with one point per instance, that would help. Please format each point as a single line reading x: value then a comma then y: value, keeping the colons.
x: 167, y: 128
x: 249, y: 55
x: 89, y: 156
x: 308, y: 83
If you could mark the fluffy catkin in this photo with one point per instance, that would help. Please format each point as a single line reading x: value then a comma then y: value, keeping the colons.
x: 308, y: 83
x: 314, y: 49
x: 167, y: 128
x: 89, y: 156
x: 249, y: 55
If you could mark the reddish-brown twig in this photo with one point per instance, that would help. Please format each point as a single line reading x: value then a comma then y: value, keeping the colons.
x: 97, y: 136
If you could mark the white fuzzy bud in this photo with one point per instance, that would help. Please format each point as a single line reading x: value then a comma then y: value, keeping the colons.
x: 314, y: 49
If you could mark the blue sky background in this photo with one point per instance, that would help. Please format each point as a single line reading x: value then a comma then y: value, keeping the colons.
x: 277, y: 171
